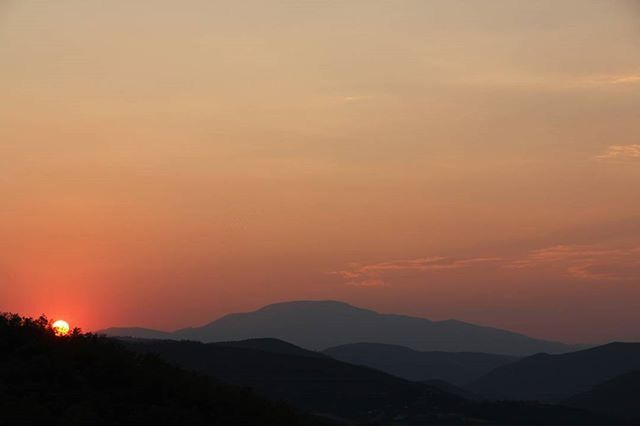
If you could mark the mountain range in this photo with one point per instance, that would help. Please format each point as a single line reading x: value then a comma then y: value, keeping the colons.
x: 554, y: 378
x: 348, y: 393
x: 318, y: 325
x: 459, y: 368
x: 82, y: 379
x: 89, y: 379
x: 619, y: 396
x: 310, y: 381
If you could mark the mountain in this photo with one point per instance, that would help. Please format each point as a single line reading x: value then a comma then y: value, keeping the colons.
x: 458, y: 368
x: 554, y: 378
x: 318, y: 325
x: 619, y: 397
x: 138, y: 332
x: 453, y: 389
x: 355, y: 394
x: 275, y: 346
x: 319, y: 384
x: 84, y: 379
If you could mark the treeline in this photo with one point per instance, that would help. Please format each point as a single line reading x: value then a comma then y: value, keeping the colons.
x: 83, y: 378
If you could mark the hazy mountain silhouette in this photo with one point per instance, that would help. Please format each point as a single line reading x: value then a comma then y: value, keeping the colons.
x: 619, y: 396
x: 554, y: 378
x: 84, y: 379
x: 138, y: 332
x: 322, y: 324
x: 453, y: 389
x: 458, y: 368
x: 358, y: 394
x: 276, y: 346
x: 87, y: 379
x: 316, y: 383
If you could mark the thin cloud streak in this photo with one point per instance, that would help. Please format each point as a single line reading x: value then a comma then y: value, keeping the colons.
x: 575, y: 262
x: 611, y: 79
x: 585, y: 262
x: 621, y: 152
x: 626, y: 79
x: 371, y: 275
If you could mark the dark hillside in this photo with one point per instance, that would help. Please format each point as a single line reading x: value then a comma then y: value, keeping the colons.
x: 275, y: 346
x: 553, y: 378
x: 359, y: 394
x: 459, y: 368
x: 320, y: 384
x: 83, y: 379
x: 619, y: 396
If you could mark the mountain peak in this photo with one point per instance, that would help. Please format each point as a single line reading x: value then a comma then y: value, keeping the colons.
x: 311, y: 305
x: 320, y: 324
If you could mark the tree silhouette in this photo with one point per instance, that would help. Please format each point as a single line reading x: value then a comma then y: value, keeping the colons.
x: 82, y: 378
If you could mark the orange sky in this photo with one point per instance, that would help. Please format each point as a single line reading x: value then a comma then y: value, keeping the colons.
x: 163, y: 163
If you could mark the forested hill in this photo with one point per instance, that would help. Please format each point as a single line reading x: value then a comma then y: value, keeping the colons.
x: 83, y: 379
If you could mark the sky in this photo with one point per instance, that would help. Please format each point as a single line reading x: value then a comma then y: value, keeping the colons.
x: 164, y: 163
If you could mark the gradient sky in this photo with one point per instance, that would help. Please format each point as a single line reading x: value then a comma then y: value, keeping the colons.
x: 166, y: 162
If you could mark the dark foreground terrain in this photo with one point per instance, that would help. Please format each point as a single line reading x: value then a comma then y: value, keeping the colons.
x: 84, y: 379
x: 357, y: 394
x: 554, y: 378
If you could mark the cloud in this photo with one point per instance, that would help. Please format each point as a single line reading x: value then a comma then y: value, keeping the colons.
x: 575, y: 262
x: 626, y: 79
x: 584, y: 262
x: 621, y: 152
x: 552, y: 82
x: 372, y: 275
x: 355, y: 98
x: 613, y: 270
x: 555, y: 254
x: 368, y: 283
x: 613, y: 79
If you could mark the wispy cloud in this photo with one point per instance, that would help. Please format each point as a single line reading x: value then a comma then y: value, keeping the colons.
x: 612, y: 270
x: 584, y: 262
x: 373, y: 275
x: 552, y: 82
x: 555, y: 254
x: 374, y: 282
x: 613, y: 79
x: 626, y: 79
x: 575, y: 262
x: 621, y: 152
x: 355, y: 98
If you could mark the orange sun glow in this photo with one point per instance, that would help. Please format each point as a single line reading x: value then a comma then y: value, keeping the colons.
x: 60, y: 327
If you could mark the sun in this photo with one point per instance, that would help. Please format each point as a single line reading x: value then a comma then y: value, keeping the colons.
x: 60, y: 328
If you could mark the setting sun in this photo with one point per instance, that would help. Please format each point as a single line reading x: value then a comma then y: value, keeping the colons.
x: 60, y: 327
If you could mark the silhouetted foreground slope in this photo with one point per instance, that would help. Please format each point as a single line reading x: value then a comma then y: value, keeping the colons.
x: 459, y: 368
x: 321, y: 384
x: 617, y: 397
x: 553, y: 378
x: 359, y: 394
x: 275, y: 346
x: 454, y: 390
x: 318, y: 325
x: 83, y: 379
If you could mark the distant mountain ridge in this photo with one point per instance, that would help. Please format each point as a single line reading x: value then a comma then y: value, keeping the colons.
x: 137, y: 332
x: 318, y: 325
x: 458, y: 368
x: 350, y: 393
x: 87, y: 380
x: 308, y: 380
x: 554, y: 378
x: 619, y: 397
x: 271, y: 345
